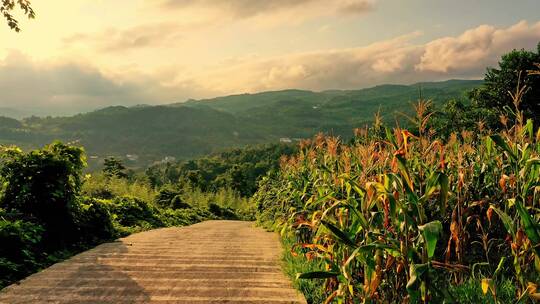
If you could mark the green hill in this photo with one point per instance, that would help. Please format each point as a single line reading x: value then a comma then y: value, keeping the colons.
x: 145, y: 134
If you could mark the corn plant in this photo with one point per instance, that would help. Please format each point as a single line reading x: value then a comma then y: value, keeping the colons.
x: 399, y: 215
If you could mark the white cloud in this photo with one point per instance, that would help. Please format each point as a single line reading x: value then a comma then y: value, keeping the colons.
x: 476, y: 48
x: 397, y: 60
x: 251, y: 8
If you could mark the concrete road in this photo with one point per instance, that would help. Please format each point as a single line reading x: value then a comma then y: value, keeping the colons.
x: 210, y: 262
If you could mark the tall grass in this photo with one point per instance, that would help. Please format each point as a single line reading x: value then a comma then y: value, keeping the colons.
x: 293, y: 263
x: 99, y: 185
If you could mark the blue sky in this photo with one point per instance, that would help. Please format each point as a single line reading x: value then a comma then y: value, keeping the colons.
x: 91, y: 53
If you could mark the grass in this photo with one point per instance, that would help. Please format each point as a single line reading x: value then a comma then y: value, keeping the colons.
x: 471, y: 292
x: 297, y: 263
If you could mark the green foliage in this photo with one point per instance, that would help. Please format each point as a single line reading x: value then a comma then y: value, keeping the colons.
x: 515, y: 69
x: 294, y: 263
x: 6, y: 8
x: 20, y: 249
x: 470, y: 291
x: 166, y: 195
x: 236, y: 169
x: 101, y: 186
x: 456, y: 116
x: 178, y: 203
x: 43, y: 185
x: 94, y: 221
x: 183, y: 217
x: 132, y: 211
x: 113, y: 167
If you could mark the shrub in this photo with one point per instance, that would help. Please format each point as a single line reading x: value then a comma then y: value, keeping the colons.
x: 215, y: 209
x: 183, y: 217
x: 94, y: 221
x: 178, y: 203
x: 101, y: 186
x: 20, y: 249
x: 132, y: 211
x: 43, y: 185
x: 165, y: 196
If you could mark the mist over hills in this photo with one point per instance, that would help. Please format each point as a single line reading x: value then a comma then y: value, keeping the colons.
x: 145, y: 134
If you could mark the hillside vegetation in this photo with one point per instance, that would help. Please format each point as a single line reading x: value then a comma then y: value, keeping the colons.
x: 151, y: 133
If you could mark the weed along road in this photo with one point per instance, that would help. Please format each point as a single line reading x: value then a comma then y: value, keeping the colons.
x: 209, y: 262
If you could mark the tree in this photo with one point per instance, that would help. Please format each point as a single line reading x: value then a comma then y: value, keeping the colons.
x: 113, y: 167
x: 43, y: 185
x: 7, y: 7
x: 457, y: 115
x: 516, y: 67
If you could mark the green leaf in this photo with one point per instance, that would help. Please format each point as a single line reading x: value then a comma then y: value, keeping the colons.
x: 317, y: 275
x: 343, y: 236
x: 529, y: 164
x: 413, y: 285
x: 531, y: 229
x: 393, y: 251
x: 529, y: 128
x: 443, y: 195
x: 499, y: 267
x: 506, y: 220
x: 489, y: 145
x: 431, y: 232
x: 503, y: 145
x: 404, y: 170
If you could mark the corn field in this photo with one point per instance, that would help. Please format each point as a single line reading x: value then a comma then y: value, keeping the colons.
x: 399, y: 217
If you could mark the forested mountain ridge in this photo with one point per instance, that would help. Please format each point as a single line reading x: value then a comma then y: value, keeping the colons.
x: 142, y: 135
x: 245, y: 103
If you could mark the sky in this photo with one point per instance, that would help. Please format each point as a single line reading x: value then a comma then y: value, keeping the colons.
x: 79, y: 55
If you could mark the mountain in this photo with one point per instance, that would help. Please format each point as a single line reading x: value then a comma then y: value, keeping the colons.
x: 145, y: 134
x: 14, y: 113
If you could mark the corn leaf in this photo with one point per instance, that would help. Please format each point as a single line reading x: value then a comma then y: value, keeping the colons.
x: 531, y: 228
x: 443, y: 195
x: 431, y: 232
x: 506, y: 220
x: 503, y: 145
x: 343, y: 236
x: 317, y: 275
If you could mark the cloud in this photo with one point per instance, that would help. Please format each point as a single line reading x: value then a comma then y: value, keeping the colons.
x: 138, y: 37
x: 400, y: 60
x: 251, y: 8
x: 397, y: 60
x: 181, y: 20
x: 71, y: 87
x: 386, y: 61
x: 476, y: 48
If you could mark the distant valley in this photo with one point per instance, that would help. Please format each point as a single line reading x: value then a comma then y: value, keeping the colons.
x: 142, y: 135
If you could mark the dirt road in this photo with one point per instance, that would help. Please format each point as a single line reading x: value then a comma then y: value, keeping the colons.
x: 210, y: 262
